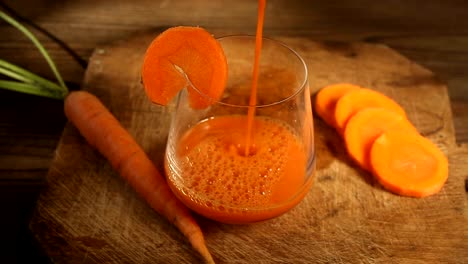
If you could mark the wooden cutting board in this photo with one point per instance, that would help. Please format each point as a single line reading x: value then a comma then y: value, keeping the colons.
x: 88, y: 214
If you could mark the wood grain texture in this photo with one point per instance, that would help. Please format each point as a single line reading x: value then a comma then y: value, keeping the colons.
x: 88, y: 214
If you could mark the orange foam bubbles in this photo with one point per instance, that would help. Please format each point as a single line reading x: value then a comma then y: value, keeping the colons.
x: 213, y: 176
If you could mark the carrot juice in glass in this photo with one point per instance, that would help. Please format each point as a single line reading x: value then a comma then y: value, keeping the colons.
x: 235, y: 162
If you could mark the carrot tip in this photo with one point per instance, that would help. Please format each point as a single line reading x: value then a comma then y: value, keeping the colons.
x: 197, y: 241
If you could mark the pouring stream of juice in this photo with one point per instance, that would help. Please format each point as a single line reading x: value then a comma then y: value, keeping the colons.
x: 253, y: 92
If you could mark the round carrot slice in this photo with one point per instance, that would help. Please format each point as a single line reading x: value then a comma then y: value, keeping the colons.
x: 353, y: 101
x: 368, y: 124
x: 326, y: 99
x: 185, y: 57
x: 408, y: 164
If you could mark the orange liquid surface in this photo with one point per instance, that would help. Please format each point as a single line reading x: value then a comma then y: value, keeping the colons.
x: 211, y: 174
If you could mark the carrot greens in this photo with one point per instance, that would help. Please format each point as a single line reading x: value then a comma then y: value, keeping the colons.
x: 22, y: 80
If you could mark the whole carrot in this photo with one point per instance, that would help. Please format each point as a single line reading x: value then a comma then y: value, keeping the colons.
x: 104, y: 132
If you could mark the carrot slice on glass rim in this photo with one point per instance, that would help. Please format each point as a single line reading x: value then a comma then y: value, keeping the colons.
x: 185, y: 57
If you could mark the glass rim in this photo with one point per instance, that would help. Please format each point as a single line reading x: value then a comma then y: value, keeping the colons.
x: 301, y: 87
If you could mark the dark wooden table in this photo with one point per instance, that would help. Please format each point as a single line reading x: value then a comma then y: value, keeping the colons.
x: 432, y: 33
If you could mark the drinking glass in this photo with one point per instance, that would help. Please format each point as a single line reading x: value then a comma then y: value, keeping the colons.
x: 225, y: 170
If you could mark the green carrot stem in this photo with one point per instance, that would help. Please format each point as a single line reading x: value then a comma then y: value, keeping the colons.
x: 31, y: 89
x: 26, y: 76
x: 13, y: 75
x: 36, y: 42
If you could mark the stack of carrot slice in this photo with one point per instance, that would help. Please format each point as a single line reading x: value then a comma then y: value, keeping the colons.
x: 380, y: 139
